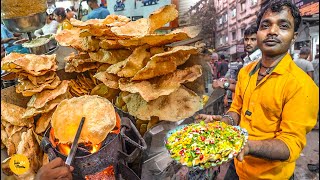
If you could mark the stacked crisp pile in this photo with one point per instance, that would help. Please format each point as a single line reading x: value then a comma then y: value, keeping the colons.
x: 130, y: 57
x: 35, y: 72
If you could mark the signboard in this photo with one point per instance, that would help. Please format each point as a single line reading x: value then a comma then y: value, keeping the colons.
x: 138, y: 8
x: 307, y: 7
x: 240, y: 48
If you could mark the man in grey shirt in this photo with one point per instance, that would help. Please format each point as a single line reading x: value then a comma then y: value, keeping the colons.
x: 302, y: 61
x: 315, y: 64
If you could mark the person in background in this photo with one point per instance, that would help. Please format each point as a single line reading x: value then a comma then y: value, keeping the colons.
x: 70, y: 14
x: 213, y: 64
x: 302, y: 61
x: 222, y: 66
x: 55, y: 169
x: 252, y: 54
x: 7, y: 40
x: 59, y: 15
x: 315, y: 64
x: 275, y: 101
x: 97, y: 11
x: 50, y: 27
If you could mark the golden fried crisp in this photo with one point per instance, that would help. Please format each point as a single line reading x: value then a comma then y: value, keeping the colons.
x: 28, y: 89
x: 39, y: 100
x: 86, y: 66
x: 36, y: 65
x: 135, y: 62
x: 77, y: 59
x: 162, y: 16
x: 110, y: 56
x: 32, y: 111
x: 106, y: 92
x: 37, y: 80
x: 43, y: 122
x: 110, y: 44
x: 163, y: 85
x: 100, y: 119
x: 72, y: 38
x: 180, y: 104
x: 13, y: 114
x: 164, y: 63
x: 110, y: 80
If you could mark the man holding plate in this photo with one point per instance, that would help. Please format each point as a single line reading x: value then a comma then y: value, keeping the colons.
x: 275, y: 101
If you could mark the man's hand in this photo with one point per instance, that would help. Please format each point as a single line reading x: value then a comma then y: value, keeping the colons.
x: 207, y: 118
x: 244, y: 152
x: 55, y: 169
x: 219, y: 83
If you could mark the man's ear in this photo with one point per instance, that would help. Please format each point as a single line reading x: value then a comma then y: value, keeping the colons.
x: 295, y: 35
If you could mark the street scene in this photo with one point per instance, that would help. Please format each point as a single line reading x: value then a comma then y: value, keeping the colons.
x: 160, y: 89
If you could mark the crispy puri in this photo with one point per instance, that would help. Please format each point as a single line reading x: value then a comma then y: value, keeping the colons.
x: 135, y: 62
x: 139, y: 27
x: 180, y: 104
x: 162, y: 16
x: 13, y: 114
x: 110, y: 80
x: 43, y: 122
x: 28, y: 89
x: 36, y: 65
x: 100, y: 119
x: 106, y: 92
x: 163, y: 85
x: 110, y: 56
x: 40, y: 100
x: 77, y: 59
x: 164, y: 63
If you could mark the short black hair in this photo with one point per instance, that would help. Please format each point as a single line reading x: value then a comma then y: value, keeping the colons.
x: 93, y: 1
x: 60, y: 12
x: 305, y: 50
x: 317, y: 56
x: 277, y: 6
x: 222, y: 56
x: 251, y: 30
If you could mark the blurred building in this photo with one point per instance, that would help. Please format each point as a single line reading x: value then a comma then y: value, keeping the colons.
x: 234, y: 16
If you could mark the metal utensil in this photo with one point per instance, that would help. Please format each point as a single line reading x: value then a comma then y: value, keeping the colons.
x: 75, y: 143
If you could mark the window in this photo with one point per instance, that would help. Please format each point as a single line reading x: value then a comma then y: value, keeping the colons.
x: 233, y: 35
x: 243, y: 6
x: 253, y: 2
x: 226, y: 38
x: 220, y: 20
x: 234, y: 12
x: 242, y: 32
x: 226, y: 17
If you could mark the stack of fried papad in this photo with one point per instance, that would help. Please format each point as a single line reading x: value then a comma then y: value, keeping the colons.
x: 130, y: 59
x: 18, y: 136
x: 35, y: 72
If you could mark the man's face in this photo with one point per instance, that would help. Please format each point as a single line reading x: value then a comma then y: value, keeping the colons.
x: 250, y: 43
x: 90, y: 5
x: 276, y: 32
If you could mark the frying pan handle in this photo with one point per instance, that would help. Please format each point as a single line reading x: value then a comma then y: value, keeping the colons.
x: 127, y: 124
x: 51, y: 154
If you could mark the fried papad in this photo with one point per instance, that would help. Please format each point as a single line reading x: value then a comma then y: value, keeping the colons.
x: 38, y: 80
x: 86, y: 66
x: 30, y: 148
x: 100, y: 119
x: 139, y: 27
x: 110, y: 56
x: 28, y: 89
x: 13, y: 114
x: 72, y: 38
x: 164, y: 63
x: 135, y: 62
x: 43, y: 122
x: 39, y: 100
x: 162, y: 16
x: 110, y: 20
x: 159, y: 86
x: 180, y: 104
x: 36, y: 65
x: 106, y: 92
x: 110, y: 80
x: 32, y: 111
x: 110, y: 44
x: 77, y: 59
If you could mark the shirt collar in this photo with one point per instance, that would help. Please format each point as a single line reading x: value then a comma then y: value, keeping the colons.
x: 280, y: 68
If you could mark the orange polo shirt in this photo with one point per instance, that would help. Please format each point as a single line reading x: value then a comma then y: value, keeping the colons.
x: 284, y: 106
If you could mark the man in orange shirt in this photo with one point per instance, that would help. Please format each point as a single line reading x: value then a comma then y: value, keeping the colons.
x: 274, y: 100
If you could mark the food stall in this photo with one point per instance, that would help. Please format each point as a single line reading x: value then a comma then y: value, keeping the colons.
x: 151, y: 87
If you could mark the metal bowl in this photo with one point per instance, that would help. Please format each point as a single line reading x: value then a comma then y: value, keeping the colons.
x: 26, y: 24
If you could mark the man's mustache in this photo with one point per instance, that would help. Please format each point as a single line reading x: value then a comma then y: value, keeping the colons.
x: 273, y: 39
